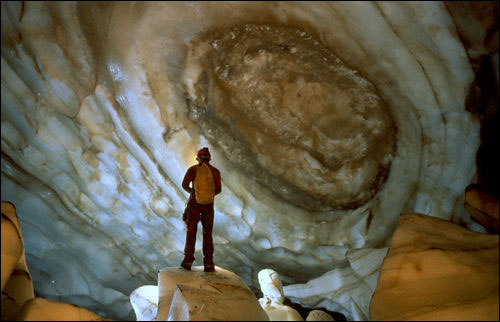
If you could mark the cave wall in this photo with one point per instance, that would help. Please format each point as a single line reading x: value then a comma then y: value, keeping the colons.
x: 366, y: 110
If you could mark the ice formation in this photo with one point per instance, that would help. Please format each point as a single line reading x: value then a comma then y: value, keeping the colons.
x: 431, y: 276
x: 18, y: 297
x: 326, y: 120
x: 198, y: 296
x: 273, y: 297
x: 144, y: 301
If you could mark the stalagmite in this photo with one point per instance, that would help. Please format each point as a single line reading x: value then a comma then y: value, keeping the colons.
x: 272, y: 302
x: 39, y: 309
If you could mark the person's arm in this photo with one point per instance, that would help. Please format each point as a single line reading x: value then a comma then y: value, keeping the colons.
x: 188, y: 178
x: 217, y: 182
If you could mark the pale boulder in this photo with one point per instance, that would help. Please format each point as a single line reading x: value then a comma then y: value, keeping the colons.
x: 197, y: 295
x: 39, y: 309
x: 318, y: 315
x: 278, y: 311
x: 272, y: 302
x: 436, y: 270
x: 17, y: 286
x: 270, y: 285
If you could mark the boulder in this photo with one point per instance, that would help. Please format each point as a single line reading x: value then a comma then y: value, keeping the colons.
x: 318, y: 315
x: 279, y: 312
x: 272, y: 302
x: 17, y: 286
x: 198, y: 295
x: 437, y: 270
x: 270, y: 285
x: 39, y: 309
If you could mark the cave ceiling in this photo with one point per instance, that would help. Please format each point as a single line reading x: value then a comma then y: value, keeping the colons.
x: 326, y: 119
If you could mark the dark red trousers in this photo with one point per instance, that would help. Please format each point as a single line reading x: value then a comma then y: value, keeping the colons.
x: 205, y: 213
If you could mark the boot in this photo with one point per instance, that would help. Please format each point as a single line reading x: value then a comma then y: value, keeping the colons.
x: 209, y: 268
x: 186, y: 265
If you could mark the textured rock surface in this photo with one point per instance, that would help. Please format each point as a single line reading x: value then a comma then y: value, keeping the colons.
x: 279, y: 312
x: 39, y: 309
x: 436, y: 270
x: 105, y: 103
x: 17, y: 286
x: 196, y: 295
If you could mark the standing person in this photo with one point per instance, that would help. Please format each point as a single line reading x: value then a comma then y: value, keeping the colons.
x: 206, y: 185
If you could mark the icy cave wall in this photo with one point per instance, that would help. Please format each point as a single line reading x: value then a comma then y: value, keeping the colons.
x: 326, y: 119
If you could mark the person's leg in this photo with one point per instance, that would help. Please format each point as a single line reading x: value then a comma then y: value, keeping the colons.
x: 193, y: 212
x: 207, y: 220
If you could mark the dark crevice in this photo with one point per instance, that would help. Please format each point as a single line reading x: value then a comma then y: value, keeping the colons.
x: 21, y: 14
x: 304, y: 311
x: 482, y: 101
